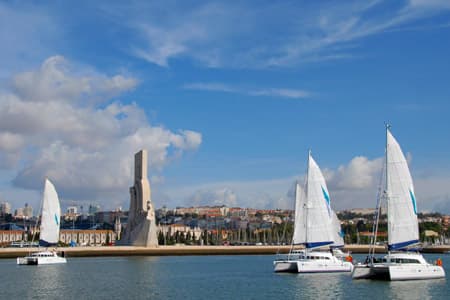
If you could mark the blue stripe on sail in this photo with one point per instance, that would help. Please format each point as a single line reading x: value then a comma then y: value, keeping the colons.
x: 56, y: 220
x: 317, y: 244
x: 43, y: 243
x: 327, y: 199
x: 401, y: 245
x: 413, y: 199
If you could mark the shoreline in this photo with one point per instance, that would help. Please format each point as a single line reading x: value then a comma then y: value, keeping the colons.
x: 180, y: 250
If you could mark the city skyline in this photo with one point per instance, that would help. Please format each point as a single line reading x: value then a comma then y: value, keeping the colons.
x: 226, y: 97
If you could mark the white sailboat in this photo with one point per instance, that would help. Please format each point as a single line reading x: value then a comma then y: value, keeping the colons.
x: 403, y: 230
x: 314, y: 227
x: 49, y: 230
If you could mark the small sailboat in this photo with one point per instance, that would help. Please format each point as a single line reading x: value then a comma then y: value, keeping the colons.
x: 49, y: 230
x: 314, y: 227
x: 403, y: 230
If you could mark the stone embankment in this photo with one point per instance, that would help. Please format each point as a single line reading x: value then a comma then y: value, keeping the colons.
x: 188, y: 250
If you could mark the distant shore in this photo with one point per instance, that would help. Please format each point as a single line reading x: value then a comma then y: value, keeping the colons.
x: 189, y: 250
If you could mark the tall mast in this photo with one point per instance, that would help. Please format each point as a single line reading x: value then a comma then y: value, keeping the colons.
x: 386, y: 160
x: 307, y: 198
x: 387, y: 175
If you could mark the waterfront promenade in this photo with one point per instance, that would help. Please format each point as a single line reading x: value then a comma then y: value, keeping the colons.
x: 188, y: 250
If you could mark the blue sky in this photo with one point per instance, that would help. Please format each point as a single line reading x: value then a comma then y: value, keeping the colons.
x: 226, y: 96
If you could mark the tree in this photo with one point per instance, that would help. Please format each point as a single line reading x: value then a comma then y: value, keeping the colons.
x: 161, y: 238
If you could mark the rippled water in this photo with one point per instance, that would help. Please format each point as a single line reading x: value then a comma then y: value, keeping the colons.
x: 199, y: 277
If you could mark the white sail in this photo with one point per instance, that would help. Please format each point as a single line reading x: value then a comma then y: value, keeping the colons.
x: 402, y: 211
x: 51, y: 214
x: 319, y: 213
x: 337, y: 232
x: 299, y: 236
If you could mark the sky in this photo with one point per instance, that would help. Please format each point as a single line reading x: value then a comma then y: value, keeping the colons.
x: 226, y: 96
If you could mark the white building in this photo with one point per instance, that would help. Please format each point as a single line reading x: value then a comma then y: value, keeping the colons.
x: 72, y: 210
x: 8, y: 236
x: 87, y: 237
x: 5, y: 208
x: 171, y: 230
x: 27, y: 211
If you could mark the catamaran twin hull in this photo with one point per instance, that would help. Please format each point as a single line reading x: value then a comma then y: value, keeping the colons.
x: 395, y: 272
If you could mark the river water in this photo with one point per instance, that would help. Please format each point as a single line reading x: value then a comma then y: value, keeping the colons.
x: 199, y: 277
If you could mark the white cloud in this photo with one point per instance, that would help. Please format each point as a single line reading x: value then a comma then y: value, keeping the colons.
x: 164, y: 44
x: 56, y: 81
x: 11, y: 142
x: 224, y: 196
x: 258, y: 193
x: 60, y: 131
x: 286, y: 93
x: 269, y: 92
x: 215, y: 87
x: 360, y: 173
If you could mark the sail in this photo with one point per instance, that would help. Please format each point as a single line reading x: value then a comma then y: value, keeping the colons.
x: 299, y: 236
x: 51, y: 213
x: 402, y: 211
x: 317, y: 203
x: 337, y: 232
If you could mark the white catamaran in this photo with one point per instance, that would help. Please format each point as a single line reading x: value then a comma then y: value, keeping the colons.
x: 49, y: 230
x: 403, y: 231
x: 315, y: 225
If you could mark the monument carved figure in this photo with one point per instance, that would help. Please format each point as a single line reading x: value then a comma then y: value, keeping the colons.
x: 141, y: 227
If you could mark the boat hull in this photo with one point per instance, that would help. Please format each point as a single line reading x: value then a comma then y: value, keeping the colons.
x: 397, y: 272
x: 285, y: 266
x: 416, y: 272
x: 323, y: 267
x: 41, y: 258
x: 362, y: 272
x: 33, y: 261
x: 312, y: 262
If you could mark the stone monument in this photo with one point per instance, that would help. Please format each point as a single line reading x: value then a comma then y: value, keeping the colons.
x: 141, y: 227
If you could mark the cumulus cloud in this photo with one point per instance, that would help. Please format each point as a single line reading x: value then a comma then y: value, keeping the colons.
x: 351, y: 185
x: 55, y: 81
x: 359, y: 173
x: 60, y: 122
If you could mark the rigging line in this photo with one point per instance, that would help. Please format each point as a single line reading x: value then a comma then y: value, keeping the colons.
x: 377, y: 213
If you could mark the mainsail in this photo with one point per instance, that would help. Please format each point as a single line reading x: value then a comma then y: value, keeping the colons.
x: 402, y: 211
x: 51, y: 214
x: 313, y: 216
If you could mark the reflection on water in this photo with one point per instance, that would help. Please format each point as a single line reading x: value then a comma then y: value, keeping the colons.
x: 321, y: 286
x: 198, y: 277
x: 46, y: 280
x: 409, y: 290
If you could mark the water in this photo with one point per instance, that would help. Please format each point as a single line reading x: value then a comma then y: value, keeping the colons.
x: 199, y: 277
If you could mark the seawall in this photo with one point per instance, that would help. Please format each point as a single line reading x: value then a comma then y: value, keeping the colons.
x: 189, y: 250
x: 170, y: 250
